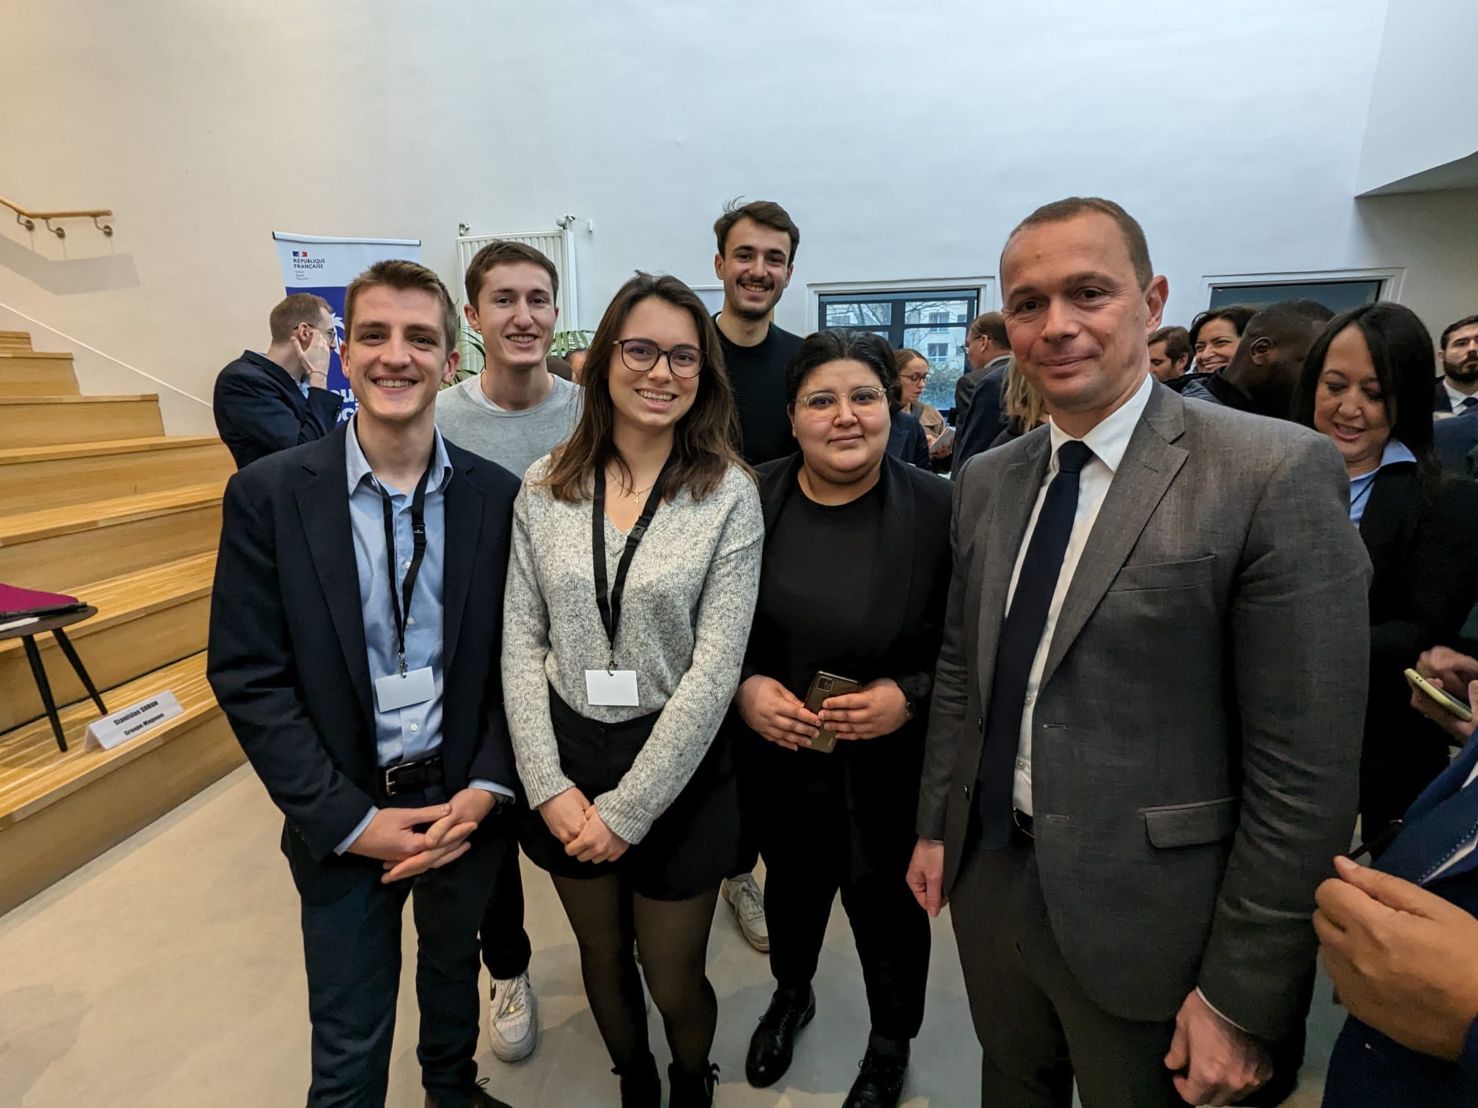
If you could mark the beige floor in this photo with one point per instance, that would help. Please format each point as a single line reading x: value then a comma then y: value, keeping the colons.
x: 168, y: 973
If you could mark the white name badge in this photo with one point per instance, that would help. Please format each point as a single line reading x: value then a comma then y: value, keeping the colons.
x: 611, y: 688
x: 397, y: 691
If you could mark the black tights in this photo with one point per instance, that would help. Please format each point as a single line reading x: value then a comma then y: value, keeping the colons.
x: 672, y: 935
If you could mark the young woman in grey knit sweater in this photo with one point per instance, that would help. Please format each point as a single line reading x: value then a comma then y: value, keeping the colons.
x: 631, y: 586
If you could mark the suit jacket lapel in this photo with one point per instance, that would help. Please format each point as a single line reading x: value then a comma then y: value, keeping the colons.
x: 323, y: 505
x: 1149, y: 465
x: 999, y: 536
x: 464, y: 511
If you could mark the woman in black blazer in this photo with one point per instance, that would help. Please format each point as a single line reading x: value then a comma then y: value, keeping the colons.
x: 854, y: 583
x: 1367, y: 385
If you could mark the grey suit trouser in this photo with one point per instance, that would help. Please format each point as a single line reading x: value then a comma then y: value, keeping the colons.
x: 1039, y: 1031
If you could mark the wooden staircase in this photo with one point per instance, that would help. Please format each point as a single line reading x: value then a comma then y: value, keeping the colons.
x: 95, y: 500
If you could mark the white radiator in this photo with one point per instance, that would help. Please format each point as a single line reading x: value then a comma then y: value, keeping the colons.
x: 556, y: 245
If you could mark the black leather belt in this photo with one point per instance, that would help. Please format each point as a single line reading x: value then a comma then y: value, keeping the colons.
x: 1023, y: 821
x: 409, y: 776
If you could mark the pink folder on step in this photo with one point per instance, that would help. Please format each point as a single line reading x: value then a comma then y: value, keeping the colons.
x: 32, y: 602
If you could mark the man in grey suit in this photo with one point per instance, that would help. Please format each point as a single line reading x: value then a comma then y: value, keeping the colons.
x: 1130, y: 860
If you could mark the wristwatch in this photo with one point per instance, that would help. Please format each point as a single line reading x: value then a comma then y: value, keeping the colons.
x: 908, y: 711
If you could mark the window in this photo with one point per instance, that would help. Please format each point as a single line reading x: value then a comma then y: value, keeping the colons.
x: 1337, y: 295
x: 931, y: 321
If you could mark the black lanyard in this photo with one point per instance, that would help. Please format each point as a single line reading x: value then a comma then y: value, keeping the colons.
x: 610, y: 605
x: 400, y: 602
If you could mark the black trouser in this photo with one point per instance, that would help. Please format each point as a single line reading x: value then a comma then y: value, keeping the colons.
x: 1038, y: 1029
x: 505, y: 944
x: 351, y: 946
x: 810, y: 854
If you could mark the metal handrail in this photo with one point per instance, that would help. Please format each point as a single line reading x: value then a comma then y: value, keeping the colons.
x: 27, y: 219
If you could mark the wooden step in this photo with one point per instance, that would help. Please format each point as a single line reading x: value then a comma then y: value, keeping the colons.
x: 35, y: 477
x: 15, y: 340
x: 61, y: 549
x: 145, y: 620
x: 51, y: 420
x: 27, y: 373
x: 58, y: 811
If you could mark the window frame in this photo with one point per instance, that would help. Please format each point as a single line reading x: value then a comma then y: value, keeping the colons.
x: 1391, y: 279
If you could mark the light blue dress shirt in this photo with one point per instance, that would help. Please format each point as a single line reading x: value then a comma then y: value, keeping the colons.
x: 413, y: 732
x: 1395, y: 451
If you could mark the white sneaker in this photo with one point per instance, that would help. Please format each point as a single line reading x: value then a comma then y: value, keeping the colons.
x: 744, y: 896
x: 513, y: 1019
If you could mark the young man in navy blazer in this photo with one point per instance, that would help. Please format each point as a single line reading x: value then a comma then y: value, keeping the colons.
x: 354, y: 646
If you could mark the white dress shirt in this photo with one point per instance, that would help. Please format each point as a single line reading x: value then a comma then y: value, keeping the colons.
x: 1108, y: 441
x: 1457, y: 399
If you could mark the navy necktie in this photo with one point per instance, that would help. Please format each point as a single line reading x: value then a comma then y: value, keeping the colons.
x: 1467, y: 404
x: 1021, y: 635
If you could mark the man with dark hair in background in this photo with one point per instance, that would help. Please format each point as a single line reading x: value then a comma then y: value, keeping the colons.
x: 1456, y: 439
x: 1263, y: 372
x: 756, y: 257
x: 1170, y: 352
x: 513, y: 413
x: 264, y: 403
x: 986, y: 351
x: 1457, y: 388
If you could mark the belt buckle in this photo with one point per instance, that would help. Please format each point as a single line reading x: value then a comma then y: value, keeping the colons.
x: 1023, y: 821
x: 391, y: 773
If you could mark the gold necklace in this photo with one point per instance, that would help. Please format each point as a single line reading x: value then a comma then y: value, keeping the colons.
x: 630, y: 493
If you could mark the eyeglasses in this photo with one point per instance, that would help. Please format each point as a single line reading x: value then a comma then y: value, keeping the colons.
x: 640, y: 356
x: 825, y: 402
x: 916, y: 378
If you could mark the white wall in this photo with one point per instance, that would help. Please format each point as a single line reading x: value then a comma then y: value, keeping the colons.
x: 905, y: 139
x: 1424, y: 103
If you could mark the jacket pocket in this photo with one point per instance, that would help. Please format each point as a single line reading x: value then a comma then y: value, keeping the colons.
x: 1208, y: 821
x: 1164, y: 575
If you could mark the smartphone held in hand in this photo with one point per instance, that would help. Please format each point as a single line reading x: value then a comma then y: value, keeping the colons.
x: 824, y: 686
x: 1439, y: 697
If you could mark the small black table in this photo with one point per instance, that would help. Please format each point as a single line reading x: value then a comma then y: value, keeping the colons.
x: 27, y: 634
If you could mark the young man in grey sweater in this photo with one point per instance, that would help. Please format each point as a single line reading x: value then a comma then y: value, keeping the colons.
x: 513, y: 413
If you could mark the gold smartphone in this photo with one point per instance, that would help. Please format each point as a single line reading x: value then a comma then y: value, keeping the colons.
x: 1439, y: 696
x: 823, y: 687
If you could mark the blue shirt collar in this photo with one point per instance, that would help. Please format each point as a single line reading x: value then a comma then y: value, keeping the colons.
x: 1395, y: 453
x: 359, y: 467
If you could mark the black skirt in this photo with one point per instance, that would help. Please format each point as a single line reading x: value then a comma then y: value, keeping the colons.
x: 689, y: 849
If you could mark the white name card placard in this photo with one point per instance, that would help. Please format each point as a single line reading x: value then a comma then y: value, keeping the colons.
x: 133, y: 721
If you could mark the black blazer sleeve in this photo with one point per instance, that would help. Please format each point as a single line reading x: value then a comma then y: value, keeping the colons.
x: 250, y: 665
x: 1424, y: 547
x: 255, y: 418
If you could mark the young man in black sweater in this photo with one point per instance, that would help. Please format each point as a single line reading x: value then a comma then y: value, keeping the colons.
x: 755, y: 260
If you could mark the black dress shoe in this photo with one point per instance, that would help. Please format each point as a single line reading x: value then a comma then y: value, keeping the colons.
x: 880, y: 1082
x: 772, y: 1045
x: 474, y: 1096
